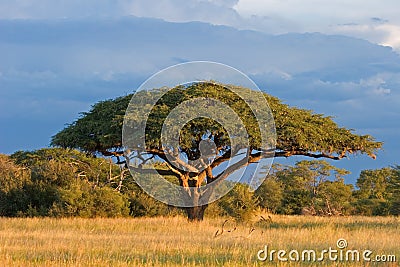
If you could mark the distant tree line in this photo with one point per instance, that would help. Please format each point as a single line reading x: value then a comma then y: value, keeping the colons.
x: 68, y: 183
x: 318, y: 188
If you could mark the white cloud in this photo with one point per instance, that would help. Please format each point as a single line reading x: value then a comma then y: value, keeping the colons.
x: 392, y: 37
x: 218, y: 12
x: 381, y: 91
x: 383, y: 33
x: 314, y: 10
x: 375, y: 21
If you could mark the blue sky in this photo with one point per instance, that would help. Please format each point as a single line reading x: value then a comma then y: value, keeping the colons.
x: 59, y: 57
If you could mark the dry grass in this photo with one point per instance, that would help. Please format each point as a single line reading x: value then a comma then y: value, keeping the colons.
x: 175, y: 242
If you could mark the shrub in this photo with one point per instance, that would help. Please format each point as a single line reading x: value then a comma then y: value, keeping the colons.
x: 239, y: 203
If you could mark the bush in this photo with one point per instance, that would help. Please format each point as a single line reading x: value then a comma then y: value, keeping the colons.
x: 12, y: 176
x: 294, y: 201
x: 84, y: 201
x: 270, y: 194
x: 15, y: 187
x: 141, y: 204
x: 372, y: 207
x: 59, y: 182
x: 239, y: 203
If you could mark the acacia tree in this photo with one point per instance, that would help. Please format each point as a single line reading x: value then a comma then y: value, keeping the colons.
x: 298, y: 132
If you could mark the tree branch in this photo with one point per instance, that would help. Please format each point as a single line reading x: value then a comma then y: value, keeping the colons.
x: 307, y: 154
x: 160, y: 153
x: 150, y: 171
x: 225, y: 157
x: 175, y: 171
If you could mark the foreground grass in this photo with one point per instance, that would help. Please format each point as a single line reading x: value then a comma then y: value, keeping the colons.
x: 175, y: 242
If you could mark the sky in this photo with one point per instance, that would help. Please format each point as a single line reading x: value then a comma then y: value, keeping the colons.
x: 339, y: 58
x: 375, y: 21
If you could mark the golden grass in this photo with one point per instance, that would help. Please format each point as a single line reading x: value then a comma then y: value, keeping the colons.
x: 176, y: 242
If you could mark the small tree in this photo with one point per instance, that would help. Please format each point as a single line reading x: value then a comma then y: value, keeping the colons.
x: 335, y: 197
x: 299, y: 132
x: 314, y: 187
x: 394, y: 188
x: 377, y: 190
x: 374, y: 184
x: 239, y: 203
x: 270, y: 192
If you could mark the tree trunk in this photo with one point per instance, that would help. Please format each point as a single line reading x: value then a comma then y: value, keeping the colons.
x: 195, y: 213
x: 194, y: 196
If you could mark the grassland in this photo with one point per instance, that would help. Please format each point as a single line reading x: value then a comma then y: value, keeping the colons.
x: 176, y: 242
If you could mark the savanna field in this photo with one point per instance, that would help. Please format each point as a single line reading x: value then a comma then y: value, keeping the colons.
x: 173, y: 241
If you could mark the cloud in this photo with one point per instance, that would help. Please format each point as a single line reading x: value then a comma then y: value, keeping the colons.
x: 392, y: 37
x: 217, y: 12
x: 61, y: 9
x: 307, y: 11
x: 376, y: 21
x: 380, y: 32
x: 379, y: 20
x: 211, y: 11
x: 381, y: 91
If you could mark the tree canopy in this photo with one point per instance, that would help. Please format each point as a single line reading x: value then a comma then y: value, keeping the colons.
x: 379, y: 191
x: 298, y: 132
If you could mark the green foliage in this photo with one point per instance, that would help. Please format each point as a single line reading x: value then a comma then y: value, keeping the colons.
x: 317, y: 188
x: 294, y: 201
x: 81, y: 200
x: 141, y: 204
x: 239, y: 203
x: 378, y: 192
x: 12, y: 176
x: 18, y: 194
x: 334, y: 197
x: 64, y: 183
x: 67, y: 183
x: 97, y: 130
x: 270, y: 194
x: 327, y: 197
x: 395, y: 207
x: 371, y: 207
x: 192, y: 133
x: 374, y: 183
x: 302, y: 130
x: 60, y: 167
x: 306, y: 187
x: 61, y: 182
x: 394, y: 189
x: 299, y: 132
